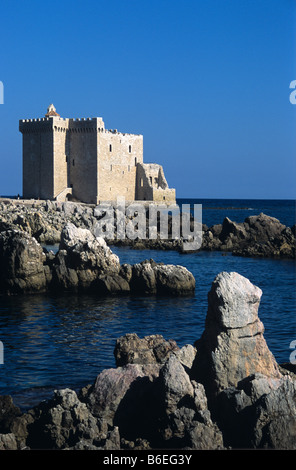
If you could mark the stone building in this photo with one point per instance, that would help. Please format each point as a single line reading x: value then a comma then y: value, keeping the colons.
x: 78, y: 159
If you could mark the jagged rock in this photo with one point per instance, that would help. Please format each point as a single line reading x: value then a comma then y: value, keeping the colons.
x: 176, y: 383
x: 149, y: 277
x: 8, y: 412
x: 230, y: 228
x: 232, y: 346
x: 66, y: 422
x: 130, y: 349
x: 72, y: 235
x: 176, y: 280
x: 113, y: 385
x: 263, y: 227
x: 22, y: 264
x: 275, y: 424
x: 81, y: 260
x: 226, y: 392
x: 8, y: 442
x: 112, y: 284
x: 126, y: 397
x: 143, y: 278
x: 259, y: 413
x: 185, y: 419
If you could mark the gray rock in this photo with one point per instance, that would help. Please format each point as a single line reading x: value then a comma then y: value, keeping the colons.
x: 232, y: 346
x: 143, y: 278
x: 186, y: 421
x: 81, y: 261
x: 259, y: 413
x: 112, y: 284
x: 175, y: 280
x: 113, y: 385
x: 8, y: 442
x: 22, y: 264
x: 130, y: 349
x: 149, y: 277
x: 62, y: 422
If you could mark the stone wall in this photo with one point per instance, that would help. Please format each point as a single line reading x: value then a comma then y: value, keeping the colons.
x: 37, y: 159
x: 60, y: 156
x: 151, y: 184
x: 82, y: 158
x: 119, y: 155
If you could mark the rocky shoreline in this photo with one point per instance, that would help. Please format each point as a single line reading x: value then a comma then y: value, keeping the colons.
x: 226, y: 391
x: 256, y: 236
x: 83, y: 263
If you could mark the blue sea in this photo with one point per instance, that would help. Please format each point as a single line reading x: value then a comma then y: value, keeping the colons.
x: 58, y: 341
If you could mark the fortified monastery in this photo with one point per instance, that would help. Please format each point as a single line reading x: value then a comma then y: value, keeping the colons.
x: 78, y: 159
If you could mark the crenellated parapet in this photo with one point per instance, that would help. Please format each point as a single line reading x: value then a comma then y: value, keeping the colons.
x: 79, y: 158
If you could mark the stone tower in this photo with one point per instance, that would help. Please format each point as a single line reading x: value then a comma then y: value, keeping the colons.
x: 79, y: 159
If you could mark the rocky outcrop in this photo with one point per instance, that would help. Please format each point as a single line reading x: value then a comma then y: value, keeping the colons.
x: 81, y: 260
x: 22, y: 268
x: 224, y: 392
x: 232, y: 346
x: 257, y: 236
x: 130, y: 349
x: 83, y: 263
x: 150, y: 277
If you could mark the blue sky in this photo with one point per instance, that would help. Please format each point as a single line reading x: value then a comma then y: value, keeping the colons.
x: 205, y: 82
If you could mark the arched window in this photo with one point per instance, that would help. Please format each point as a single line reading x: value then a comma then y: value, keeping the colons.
x: 129, y: 148
x: 110, y: 148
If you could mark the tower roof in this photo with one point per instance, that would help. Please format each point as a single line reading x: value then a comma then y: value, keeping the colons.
x: 51, y: 111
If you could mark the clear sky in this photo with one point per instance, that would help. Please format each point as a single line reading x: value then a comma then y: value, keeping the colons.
x: 205, y: 81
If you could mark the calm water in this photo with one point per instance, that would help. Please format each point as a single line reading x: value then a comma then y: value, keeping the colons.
x: 65, y: 341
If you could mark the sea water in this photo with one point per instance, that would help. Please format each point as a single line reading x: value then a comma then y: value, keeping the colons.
x: 58, y: 341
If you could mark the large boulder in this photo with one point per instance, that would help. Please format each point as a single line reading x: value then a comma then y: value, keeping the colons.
x: 184, y: 418
x: 65, y: 422
x: 130, y: 349
x: 263, y: 227
x: 126, y: 397
x: 258, y: 236
x: 232, y: 345
x: 259, y: 413
x: 149, y: 277
x: 22, y: 267
x: 81, y: 260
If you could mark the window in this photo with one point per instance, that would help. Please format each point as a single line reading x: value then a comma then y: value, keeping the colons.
x: 129, y: 168
x: 110, y: 167
x: 110, y: 148
x: 150, y: 177
x: 129, y: 148
x: 141, y: 182
x: 73, y: 163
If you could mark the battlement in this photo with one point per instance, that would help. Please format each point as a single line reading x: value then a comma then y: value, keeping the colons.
x: 78, y: 158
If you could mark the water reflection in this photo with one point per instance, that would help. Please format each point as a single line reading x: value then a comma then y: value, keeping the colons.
x: 65, y: 341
